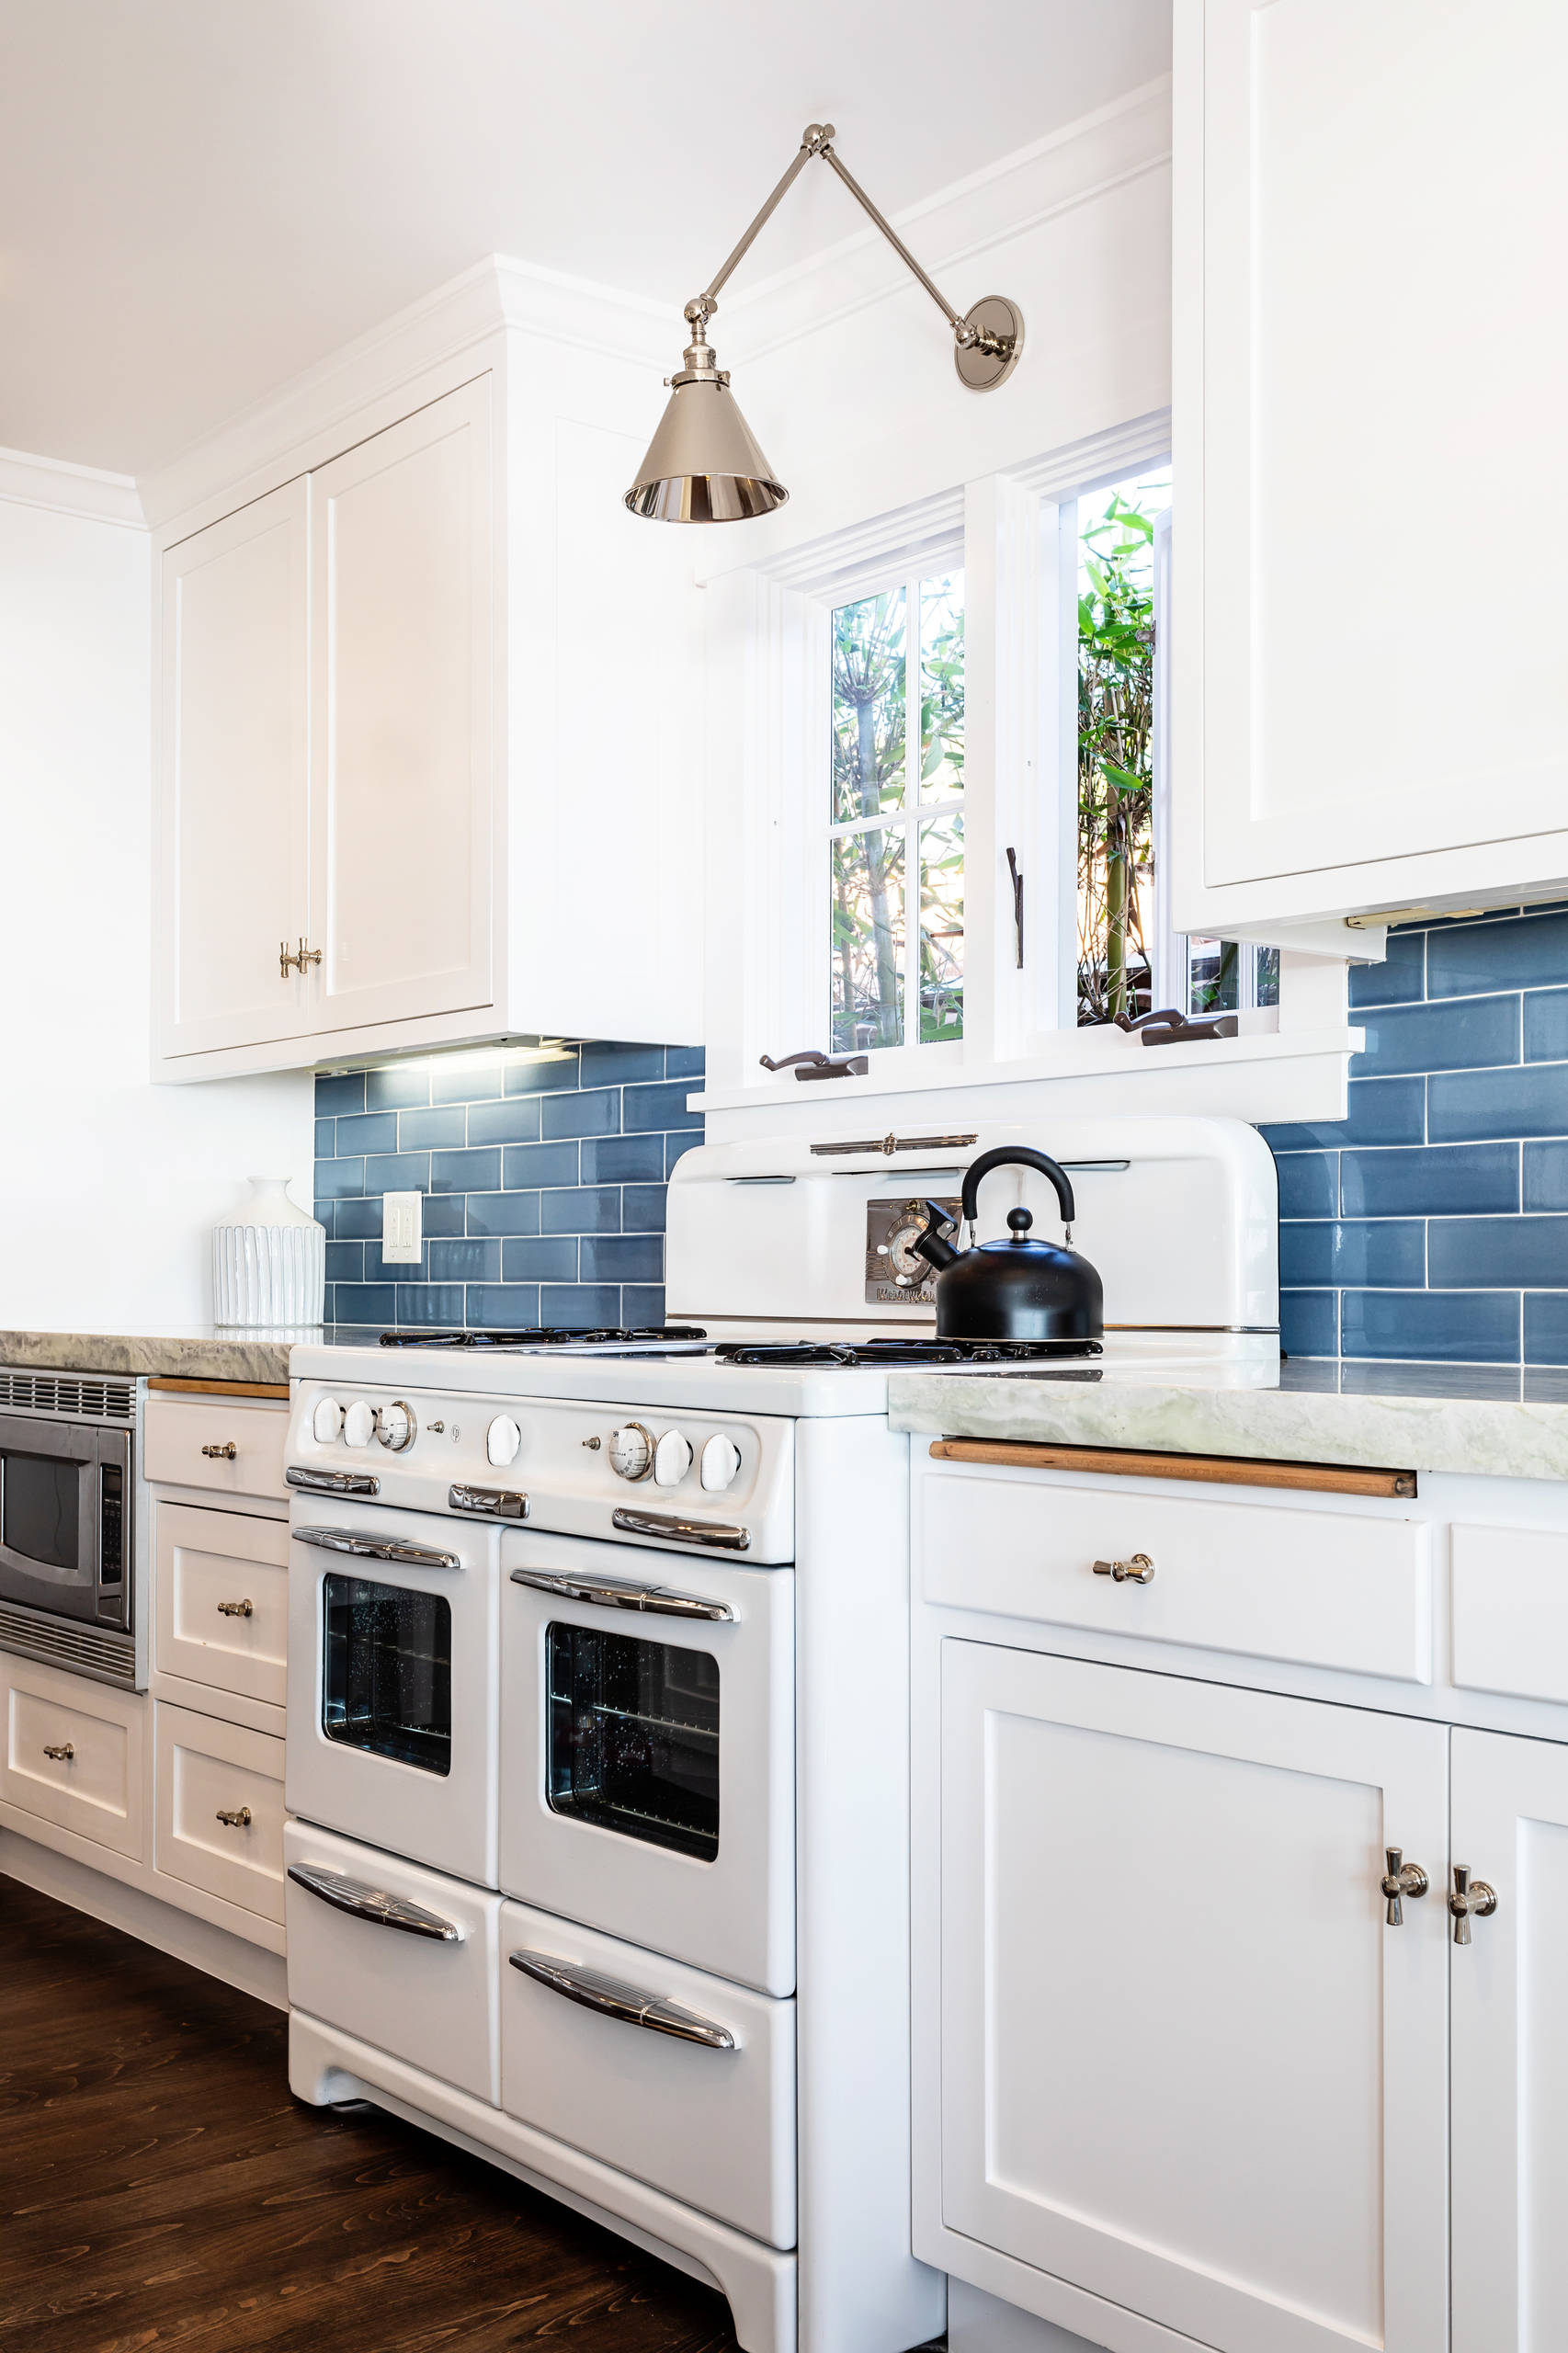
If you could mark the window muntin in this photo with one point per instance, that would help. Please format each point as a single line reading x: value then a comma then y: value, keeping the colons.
x: 896, y: 822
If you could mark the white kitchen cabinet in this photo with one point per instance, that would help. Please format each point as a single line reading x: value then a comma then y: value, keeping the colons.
x: 1186, y: 2065
x: 425, y: 719
x: 235, y: 762
x: 1511, y: 2048
x: 1370, y: 203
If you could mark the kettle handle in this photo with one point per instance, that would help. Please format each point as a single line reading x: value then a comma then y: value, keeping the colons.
x: 1024, y: 1156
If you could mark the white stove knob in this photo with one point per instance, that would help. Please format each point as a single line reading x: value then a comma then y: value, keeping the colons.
x: 672, y: 1459
x: 502, y: 1440
x: 358, y: 1423
x: 395, y: 1426
x: 632, y: 1452
x: 720, y: 1460
x: 326, y: 1422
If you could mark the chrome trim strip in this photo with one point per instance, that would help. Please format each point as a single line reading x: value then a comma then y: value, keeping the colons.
x: 334, y: 1482
x: 715, y: 1536
x: 372, y: 1903
x: 376, y: 1547
x: 489, y: 1503
x: 621, y: 1593
x: 615, y: 1999
x: 889, y: 1145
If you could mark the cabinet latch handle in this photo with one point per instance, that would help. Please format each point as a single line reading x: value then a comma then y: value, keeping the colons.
x: 63, y: 1753
x: 235, y: 1817
x: 221, y: 1453
x: 1138, y: 1570
x: 1401, y: 1879
x: 1469, y: 1897
x: 307, y: 956
x: 236, y: 1609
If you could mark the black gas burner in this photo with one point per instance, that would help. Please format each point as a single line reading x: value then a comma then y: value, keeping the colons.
x: 897, y: 1352
x: 557, y: 1336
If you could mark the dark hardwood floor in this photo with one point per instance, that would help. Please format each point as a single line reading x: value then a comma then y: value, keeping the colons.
x: 160, y: 2187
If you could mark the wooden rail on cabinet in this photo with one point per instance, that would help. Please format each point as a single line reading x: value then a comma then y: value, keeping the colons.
x: 197, y: 1388
x: 1214, y: 1470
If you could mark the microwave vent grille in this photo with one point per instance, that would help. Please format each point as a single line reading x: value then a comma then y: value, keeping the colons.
x: 82, y: 1650
x: 69, y: 1395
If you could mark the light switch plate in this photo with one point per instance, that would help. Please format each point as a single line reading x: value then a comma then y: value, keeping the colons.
x: 402, y: 1237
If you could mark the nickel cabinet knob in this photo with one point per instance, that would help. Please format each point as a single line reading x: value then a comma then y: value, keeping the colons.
x: 225, y: 1453
x: 236, y: 1609
x: 61, y: 1751
x: 1471, y: 1898
x: 1138, y: 1570
x: 1400, y: 1880
x: 234, y: 1817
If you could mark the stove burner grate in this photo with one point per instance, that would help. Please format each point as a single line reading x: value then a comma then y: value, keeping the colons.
x: 896, y: 1352
x: 547, y: 1335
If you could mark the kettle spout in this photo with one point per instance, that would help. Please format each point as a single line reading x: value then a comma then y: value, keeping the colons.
x: 932, y: 1244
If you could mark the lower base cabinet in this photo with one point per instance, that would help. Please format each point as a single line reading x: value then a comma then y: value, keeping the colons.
x: 1188, y: 2065
x: 219, y: 1797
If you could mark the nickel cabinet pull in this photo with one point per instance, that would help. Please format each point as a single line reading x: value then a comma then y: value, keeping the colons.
x: 234, y: 1818
x: 62, y: 1752
x: 226, y: 1453
x: 1401, y: 1879
x: 614, y: 1999
x: 236, y: 1609
x: 1470, y: 1899
x: 372, y: 1903
x: 716, y: 1537
x: 1138, y: 1570
x: 619, y: 1592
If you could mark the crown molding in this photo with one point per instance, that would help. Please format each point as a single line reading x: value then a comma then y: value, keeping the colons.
x: 962, y: 223
x: 64, y: 489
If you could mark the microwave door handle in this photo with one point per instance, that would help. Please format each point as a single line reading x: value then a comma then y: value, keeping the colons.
x: 376, y: 1547
x: 373, y: 1903
x: 615, y: 1999
x: 618, y: 1593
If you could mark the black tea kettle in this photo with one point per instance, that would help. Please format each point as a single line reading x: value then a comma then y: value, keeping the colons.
x: 1017, y: 1290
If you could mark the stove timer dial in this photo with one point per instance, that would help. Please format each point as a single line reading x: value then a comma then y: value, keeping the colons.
x: 632, y: 1452
x: 395, y: 1426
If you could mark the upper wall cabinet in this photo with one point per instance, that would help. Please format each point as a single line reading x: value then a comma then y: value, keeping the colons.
x: 421, y: 777
x: 1369, y: 637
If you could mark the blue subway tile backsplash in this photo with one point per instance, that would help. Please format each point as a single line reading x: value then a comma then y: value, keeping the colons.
x: 1431, y: 1225
x: 543, y: 1184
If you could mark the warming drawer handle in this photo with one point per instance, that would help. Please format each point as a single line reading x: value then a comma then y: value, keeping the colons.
x: 376, y: 1547
x: 334, y: 1482
x: 372, y: 1903
x: 489, y: 1503
x: 718, y: 1538
x: 618, y: 1593
x: 614, y: 1999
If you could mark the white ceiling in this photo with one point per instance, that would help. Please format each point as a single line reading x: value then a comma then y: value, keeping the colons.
x: 201, y: 197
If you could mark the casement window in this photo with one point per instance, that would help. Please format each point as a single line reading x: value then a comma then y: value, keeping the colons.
x: 892, y: 857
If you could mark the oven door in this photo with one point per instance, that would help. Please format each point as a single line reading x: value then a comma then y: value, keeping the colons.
x: 66, y: 1519
x: 648, y: 1750
x: 393, y: 1652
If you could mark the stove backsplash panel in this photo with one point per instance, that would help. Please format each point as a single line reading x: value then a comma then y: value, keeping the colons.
x: 1432, y: 1223
x: 544, y: 1184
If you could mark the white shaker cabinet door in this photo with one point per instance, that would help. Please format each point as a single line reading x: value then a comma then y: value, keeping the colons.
x: 1369, y: 378
x: 1510, y: 2049
x: 401, y: 533
x: 1186, y: 2065
x: 235, y: 756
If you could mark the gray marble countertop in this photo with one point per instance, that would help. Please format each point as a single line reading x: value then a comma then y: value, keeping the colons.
x: 191, y: 1352
x: 1499, y: 1421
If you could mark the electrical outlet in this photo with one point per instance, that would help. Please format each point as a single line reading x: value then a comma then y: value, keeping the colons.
x: 402, y: 1236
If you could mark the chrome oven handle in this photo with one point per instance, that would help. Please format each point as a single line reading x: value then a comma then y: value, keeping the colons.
x: 614, y: 1999
x: 334, y: 1482
x: 489, y: 1503
x: 619, y: 1592
x: 372, y: 1903
x: 376, y: 1547
x: 676, y: 1531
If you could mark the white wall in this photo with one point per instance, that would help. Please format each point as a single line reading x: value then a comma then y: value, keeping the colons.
x: 108, y: 1185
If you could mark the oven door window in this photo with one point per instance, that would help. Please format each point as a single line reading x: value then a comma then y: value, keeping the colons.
x: 633, y: 1738
x: 40, y: 1505
x: 387, y: 1672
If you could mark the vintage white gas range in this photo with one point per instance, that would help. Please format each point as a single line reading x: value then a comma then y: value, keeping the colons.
x: 598, y: 1740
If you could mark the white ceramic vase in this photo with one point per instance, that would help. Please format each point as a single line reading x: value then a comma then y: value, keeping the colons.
x: 269, y: 1261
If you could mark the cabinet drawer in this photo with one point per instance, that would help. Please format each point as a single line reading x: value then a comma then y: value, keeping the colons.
x: 205, y: 1769
x: 72, y: 1754
x: 221, y: 1598
x: 1337, y: 1589
x: 427, y: 1996
x: 710, y: 2124
x: 1510, y: 1608
x: 186, y: 1443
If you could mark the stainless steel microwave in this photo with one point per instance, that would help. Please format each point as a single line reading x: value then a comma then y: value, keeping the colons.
x: 67, y: 1529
